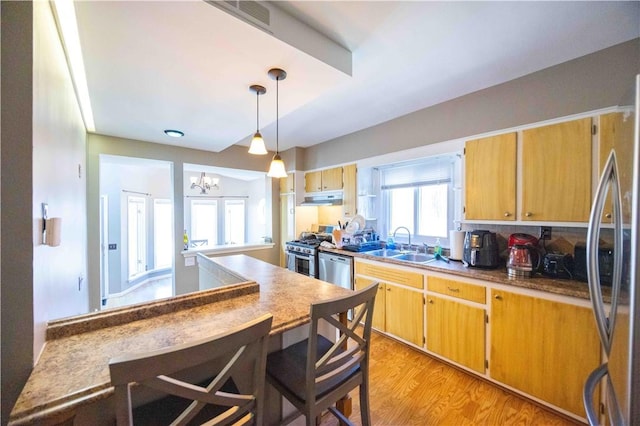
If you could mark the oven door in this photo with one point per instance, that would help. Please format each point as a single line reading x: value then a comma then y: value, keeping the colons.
x: 302, y: 263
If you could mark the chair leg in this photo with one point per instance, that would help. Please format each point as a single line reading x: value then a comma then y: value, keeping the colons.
x: 364, y: 403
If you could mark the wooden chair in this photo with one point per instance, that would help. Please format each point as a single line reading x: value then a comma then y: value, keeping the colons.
x: 241, y: 351
x: 315, y: 373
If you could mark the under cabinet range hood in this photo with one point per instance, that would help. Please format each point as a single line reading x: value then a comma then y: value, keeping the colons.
x: 322, y: 200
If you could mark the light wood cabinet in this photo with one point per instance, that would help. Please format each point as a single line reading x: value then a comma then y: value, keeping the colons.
x: 556, y: 172
x: 404, y: 313
x: 287, y: 184
x: 542, y: 347
x: 350, y: 190
x: 399, y: 311
x: 379, y: 306
x: 490, y: 178
x: 323, y: 180
x: 457, y: 332
x: 616, y: 132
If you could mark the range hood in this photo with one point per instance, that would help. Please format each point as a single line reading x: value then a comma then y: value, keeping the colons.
x: 322, y: 200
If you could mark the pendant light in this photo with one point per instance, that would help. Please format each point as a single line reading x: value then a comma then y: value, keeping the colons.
x: 277, y: 168
x: 257, y: 143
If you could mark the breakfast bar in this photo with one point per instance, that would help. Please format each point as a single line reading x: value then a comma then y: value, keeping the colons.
x: 71, y: 377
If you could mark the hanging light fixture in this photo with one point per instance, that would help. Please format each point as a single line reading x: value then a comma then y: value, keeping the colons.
x: 257, y: 143
x: 205, y: 183
x: 277, y: 168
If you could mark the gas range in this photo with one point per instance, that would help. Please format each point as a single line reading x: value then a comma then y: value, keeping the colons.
x: 302, y: 254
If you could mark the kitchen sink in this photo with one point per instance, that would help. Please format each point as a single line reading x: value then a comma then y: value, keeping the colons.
x: 414, y: 257
x: 384, y: 252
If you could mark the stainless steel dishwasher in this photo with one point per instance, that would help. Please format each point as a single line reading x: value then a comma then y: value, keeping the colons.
x: 336, y: 269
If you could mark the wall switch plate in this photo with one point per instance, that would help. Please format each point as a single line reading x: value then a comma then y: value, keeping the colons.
x: 545, y: 232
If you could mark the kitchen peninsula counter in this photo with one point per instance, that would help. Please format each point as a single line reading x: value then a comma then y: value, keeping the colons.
x: 73, y: 369
x: 498, y: 275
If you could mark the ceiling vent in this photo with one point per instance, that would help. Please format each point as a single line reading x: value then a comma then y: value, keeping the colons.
x: 249, y: 11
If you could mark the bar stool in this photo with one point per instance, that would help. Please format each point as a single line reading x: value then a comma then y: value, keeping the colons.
x: 315, y: 373
x: 241, y: 351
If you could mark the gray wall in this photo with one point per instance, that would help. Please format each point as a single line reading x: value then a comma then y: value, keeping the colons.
x: 43, y: 160
x: 185, y: 277
x: 587, y: 83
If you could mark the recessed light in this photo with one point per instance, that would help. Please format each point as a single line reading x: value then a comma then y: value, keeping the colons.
x: 174, y: 133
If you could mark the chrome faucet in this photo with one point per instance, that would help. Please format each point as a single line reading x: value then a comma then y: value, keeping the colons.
x: 405, y: 228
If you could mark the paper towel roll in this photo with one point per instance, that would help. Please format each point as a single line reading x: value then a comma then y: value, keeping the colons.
x: 456, y: 244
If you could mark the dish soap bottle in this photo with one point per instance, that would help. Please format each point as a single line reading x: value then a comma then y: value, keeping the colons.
x: 390, y: 243
x: 438, y: 248
x: 185, y: 240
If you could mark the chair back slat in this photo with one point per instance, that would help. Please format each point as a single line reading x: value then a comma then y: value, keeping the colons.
x: 351, y: 349
x: 239, y: 347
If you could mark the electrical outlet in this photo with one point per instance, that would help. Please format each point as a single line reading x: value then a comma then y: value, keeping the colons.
x: 545, y: 232
x: 113, y: 246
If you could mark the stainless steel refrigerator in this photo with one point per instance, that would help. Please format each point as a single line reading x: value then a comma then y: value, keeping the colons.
x: 615, y: 213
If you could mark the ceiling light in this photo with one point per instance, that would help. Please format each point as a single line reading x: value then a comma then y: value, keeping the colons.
x: 174, y: 133
x: 257, y: 143
x: 205, y: 183
x: 277, y: 168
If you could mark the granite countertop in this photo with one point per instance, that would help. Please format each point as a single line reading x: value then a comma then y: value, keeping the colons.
x: 73, y: 367
x: 499, y: 275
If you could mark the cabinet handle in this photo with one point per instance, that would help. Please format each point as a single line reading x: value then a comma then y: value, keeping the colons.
x: 453, y: 290
x: 528, y: 214
x: 497, y: 297
x: 608, y: 215
x: 507, y: 214
x: 388, y: 289
x: 431, y: 301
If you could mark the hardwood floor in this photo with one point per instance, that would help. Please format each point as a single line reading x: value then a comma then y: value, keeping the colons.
x: 408, y: 387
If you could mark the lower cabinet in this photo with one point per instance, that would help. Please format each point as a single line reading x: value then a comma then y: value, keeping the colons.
x: 457, y: 332
x: 379, y: 306
x: 542, y: 347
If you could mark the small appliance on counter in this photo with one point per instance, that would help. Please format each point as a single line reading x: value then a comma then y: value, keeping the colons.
x: 557, y: 265
x: 522, y: 239
x: 605, y: 263
x: 480, y: 249
x: 523, y: 261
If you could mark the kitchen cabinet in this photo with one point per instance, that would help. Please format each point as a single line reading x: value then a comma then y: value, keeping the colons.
x: 349, y: 192
x: 456, y: 330
x: 379, y: 306
x: 616, y: 131
x: 556, y: 172
x: 490, y: 178
x: 402, y: 314
x: 287, y: 184
x: 543, y: 347
x: 323, y: 180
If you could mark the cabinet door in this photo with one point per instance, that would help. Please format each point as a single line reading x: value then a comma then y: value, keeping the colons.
x: 616, y: 132
x: 405, y: 314
x: 313, y: 181
x: 287, y: 184
x: 544, y: 348
x: 332, y: 179
x: 556, y: 172
x: 456, y: 331
x: 379, y: 306
x: 490, y: 178
x: 349, y: 192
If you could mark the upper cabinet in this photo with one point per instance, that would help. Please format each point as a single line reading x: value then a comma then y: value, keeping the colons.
x: 349, y: 193
x: 556, y: 172
x: 616, y: 132
x: 490, y: 178
x: 287, y: 184
x: 323, y: 180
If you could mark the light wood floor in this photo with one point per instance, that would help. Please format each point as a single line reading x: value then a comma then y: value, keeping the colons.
x: 408, y: 387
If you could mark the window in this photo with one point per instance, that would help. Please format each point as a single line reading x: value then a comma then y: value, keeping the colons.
x: 204, y: 222
x: 234, y: 221
x: 419, y: 195
x: 136, y: 236
x: 162, y: 233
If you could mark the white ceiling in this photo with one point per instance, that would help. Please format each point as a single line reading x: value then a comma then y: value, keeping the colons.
x: 187, y: 65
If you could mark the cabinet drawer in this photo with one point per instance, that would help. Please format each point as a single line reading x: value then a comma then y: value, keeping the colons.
x: 398, y: 276
x: 471, y: 292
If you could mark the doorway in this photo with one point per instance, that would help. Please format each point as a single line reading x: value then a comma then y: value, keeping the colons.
x: 137, y: 227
